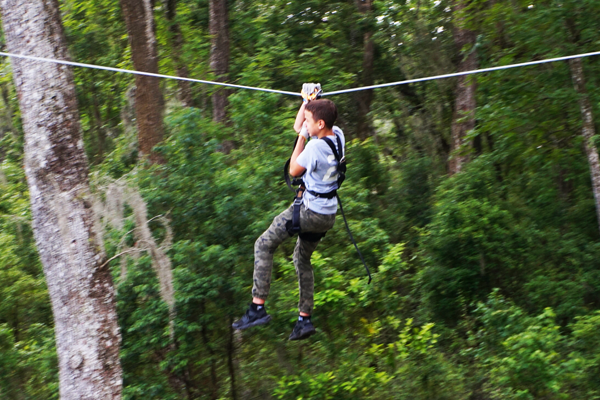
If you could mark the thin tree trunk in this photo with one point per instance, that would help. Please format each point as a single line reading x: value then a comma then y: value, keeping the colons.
x: 214, y: 382
x: 149, y: 103
x: 176, y: 41
x: 231, y: 361
x: 365, y: 97
x: 219, y: 55
x: 463, y: 119
x: 588, y: 130
x: 66, y: 231
x: 98, y: 122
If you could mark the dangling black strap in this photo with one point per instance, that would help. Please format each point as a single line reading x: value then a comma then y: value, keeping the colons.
x: 340, y: 160
x: 352, y: 238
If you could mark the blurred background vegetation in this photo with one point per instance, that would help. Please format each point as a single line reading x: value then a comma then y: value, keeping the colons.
x: 486, y: 282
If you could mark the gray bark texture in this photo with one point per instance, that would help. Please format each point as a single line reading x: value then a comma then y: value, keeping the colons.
x: 149, y: 103
x: 588, y: 130
x: 66, y: 231
x: 463, y: 118
x: 218, y: 26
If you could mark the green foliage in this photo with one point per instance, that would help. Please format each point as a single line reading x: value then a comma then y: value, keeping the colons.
x: 411, y: 367
x: 471, y: 239
x: 531, y: 367
x: 28, y: 365
x: 96, y: 34
x: 527, y: 357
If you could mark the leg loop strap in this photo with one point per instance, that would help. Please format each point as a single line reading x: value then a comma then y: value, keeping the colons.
x: 312, y: 236
x: 293, y: 226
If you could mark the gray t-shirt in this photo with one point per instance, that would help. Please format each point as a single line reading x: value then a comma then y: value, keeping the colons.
x: 321, y: 172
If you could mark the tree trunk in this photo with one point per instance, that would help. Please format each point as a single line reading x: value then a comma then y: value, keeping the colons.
x: 176, y: 42
x: 588, y: 129
x: 365, y: 97
x: 463, y: 119
x: 231, y: 361
x: 149, y: 103
x: 65, y: 228
x: 219, y: 55
x: 97, y: 121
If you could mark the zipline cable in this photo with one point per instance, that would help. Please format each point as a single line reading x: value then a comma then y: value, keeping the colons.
x: 429, y: 78
x: 474, y: 71
x: 129, y: 71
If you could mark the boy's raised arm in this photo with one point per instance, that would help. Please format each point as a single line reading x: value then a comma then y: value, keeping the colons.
x: 299, y: 118
x: 295, y: 168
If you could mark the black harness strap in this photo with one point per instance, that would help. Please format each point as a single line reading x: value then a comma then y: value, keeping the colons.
x: 332, y: 146
x: 295, y: 225
x: 312, y: 236
x: 341, y: 167
x: 329, y: 195
x: 352, y: 238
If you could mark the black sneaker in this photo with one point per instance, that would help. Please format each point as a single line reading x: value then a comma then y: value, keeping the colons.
x: 302, y: 330
x: 252, y: 318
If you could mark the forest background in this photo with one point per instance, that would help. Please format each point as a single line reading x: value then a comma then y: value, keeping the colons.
x: 471, y: 199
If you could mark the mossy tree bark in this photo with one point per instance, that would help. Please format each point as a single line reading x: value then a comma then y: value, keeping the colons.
x: 65, y: 228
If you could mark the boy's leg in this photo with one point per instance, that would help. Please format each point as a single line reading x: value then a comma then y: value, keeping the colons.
x: 302, y: 253
x: 313, y: 226
x: 304, y: 270
x: 264, y: 248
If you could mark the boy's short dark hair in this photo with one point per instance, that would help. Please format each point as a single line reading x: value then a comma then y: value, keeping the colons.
x: 323, y: 109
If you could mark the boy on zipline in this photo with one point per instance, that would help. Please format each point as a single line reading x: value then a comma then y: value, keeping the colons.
x: 317, y: 206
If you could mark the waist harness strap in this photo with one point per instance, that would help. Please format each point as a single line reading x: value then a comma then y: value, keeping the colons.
x: 293, y: 226
x: 329, y: 195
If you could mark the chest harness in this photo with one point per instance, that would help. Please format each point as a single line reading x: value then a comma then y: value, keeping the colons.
x: 293, y: 226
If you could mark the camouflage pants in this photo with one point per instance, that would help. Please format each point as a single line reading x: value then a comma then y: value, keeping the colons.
x: 267, y: 243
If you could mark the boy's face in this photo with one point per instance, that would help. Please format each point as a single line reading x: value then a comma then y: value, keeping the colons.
x: 313, y: 126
